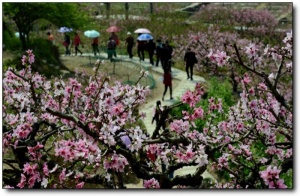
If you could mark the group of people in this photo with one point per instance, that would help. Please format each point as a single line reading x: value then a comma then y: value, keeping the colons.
x: 76, y: 42
x: 189, y: 59
x: 163, y: 52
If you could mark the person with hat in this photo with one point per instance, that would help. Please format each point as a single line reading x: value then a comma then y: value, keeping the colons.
x: 129, y: 42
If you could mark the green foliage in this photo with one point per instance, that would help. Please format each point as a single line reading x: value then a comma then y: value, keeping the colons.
x: 177, y: 111
x: 8, y: 63
x: 288, y: 178
x: 258, y: 149
x: 10, y: 41
x: 45, y: 50
x: 47, y: 58
x: 25, y: 15
x: 221, y: 89
x: 218, y: 90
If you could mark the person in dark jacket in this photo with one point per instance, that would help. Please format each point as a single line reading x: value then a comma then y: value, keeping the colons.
x: 157, y: 113
x: 166, y: 55
x: 67, y: 43
x: 169, y: 51
x: 150, y: 49
x: 129, y: 42
x: 167, y: 81
x: 140, y: 49
x: 190, y: 59
x: 159, y: 47
x: 111, y: 48
x: 115, y: 37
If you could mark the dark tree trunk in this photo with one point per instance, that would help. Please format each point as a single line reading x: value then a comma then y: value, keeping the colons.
x: 151, y: 8
x: 23, y: 40
x: 233, y: 81
x: 107, y: 10
x: 126, y: 10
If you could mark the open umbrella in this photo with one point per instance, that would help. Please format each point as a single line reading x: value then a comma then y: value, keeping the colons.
x: 17, y: 34
x: 145, y: 37
x: 65, y: 29
x: 142, y: 30
x: 91, y: 33
x: 112, y: 29
x: 126, y: 140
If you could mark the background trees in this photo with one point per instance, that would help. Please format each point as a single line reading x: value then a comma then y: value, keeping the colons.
x: 25, y: 15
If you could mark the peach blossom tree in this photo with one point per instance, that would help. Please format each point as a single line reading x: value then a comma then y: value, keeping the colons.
x: 61, y: 134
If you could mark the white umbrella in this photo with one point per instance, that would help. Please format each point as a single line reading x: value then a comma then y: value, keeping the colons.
x: 142, y: 30
x: 65, y: 29
x: 91, y: 34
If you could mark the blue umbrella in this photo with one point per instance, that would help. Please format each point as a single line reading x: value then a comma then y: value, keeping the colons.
x: 65, y: 29
x: 92, y: 34
x: 145, y: 37
x: 126, y: 140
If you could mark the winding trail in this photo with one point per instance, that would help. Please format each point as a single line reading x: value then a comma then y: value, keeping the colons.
x: 178, y: 91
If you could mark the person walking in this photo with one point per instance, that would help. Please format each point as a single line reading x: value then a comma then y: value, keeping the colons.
x: 95, y: 42
x: 168, y: 53
x: 50, y: 37
x: 115, y: 38
x: 141, y: 49
x: 151, y: 48
x: 190, y: 59
x: 77, y: 42
x: 129, y: 42
x: 159, y: 47
x: 164, y: 56
x: 66, y: 43
x: 157, y: 113
x: 111, y: 48
x: 167, y: 81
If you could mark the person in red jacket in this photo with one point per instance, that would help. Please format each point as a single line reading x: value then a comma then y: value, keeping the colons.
x: 77, y: 42
x: 95, y: 43
x: 167, y: 81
